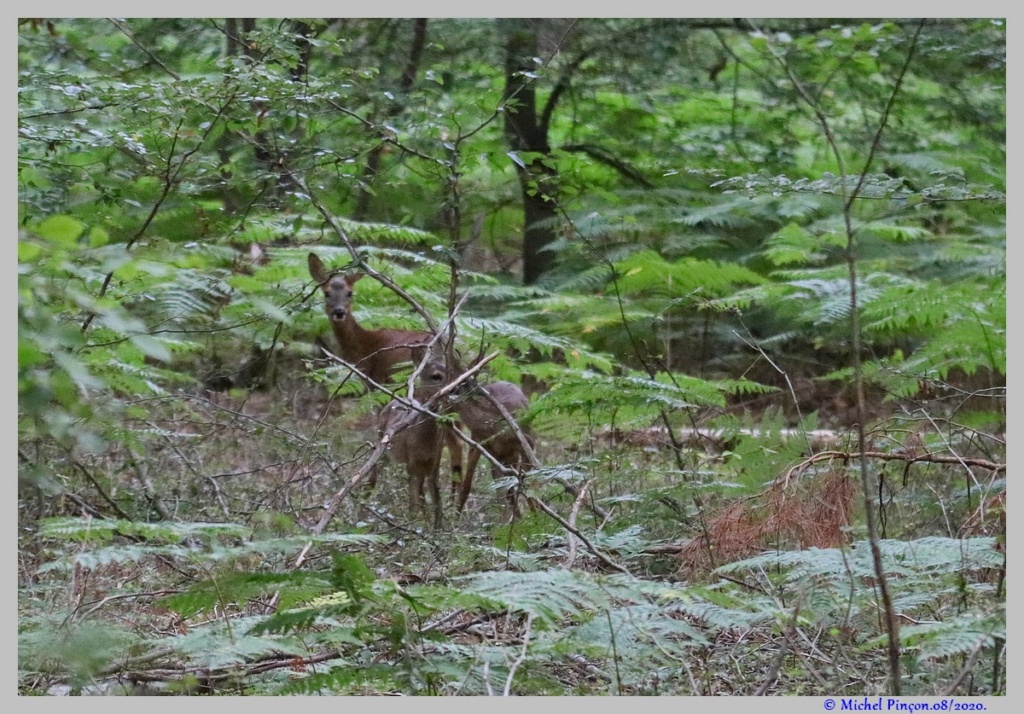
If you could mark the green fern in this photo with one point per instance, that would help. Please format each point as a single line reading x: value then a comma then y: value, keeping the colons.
x: 217, y: 644
x: 925, y: 555
x: 647, y: 272
x: 206, y: 541
x: 237, y: 588
x: 548, y: 596
x: 793, y: 244
x: 957, y: 635
x: 729, y: 213
x: 521, y: 338
x: 94, y: 530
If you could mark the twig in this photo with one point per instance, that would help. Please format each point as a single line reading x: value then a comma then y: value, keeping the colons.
x: 227, y: 671
x: 103, y: 494
x: 965, y: 670
x: 886, y: 456
x: 170, y: 180
x: 752, y: 344
x: 147, y: 485
x: 148, y: 52
x: 129, y: 596
x: 573, y: 513
x: 369, y: 270
x: 412, y: 413
x: 773, y: 671
x: 892, y: 626
x: 537, y: 503
x: 527, y: 629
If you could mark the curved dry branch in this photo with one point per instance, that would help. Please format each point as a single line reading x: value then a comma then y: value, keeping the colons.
x: 886, y: 456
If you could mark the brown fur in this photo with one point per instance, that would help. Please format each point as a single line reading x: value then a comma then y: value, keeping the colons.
x: 488, y: 428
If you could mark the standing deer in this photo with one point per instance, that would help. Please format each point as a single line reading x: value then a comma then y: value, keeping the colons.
x: 418, y: 443
x: 475, y: 405
x: 373, y: 352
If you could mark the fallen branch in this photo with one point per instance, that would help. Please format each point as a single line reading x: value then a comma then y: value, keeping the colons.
x: 886, y: 456
x: 816, y: 438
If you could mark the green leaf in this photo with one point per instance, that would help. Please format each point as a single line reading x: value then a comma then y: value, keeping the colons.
x: 63, y: 230
x: 98, y: 237
x: 151, y: 347
x: 28, y: 251
x: 29, y: 354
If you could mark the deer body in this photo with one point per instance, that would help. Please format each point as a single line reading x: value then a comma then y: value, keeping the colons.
x: 489, y: 428
x: 418, y: 446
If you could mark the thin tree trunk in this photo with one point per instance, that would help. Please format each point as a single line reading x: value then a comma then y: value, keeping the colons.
x: 527, y: 132
x: 304, y: 31
x: 419, y: 41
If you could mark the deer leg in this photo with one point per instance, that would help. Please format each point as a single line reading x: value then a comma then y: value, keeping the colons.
x: 435, y: 487
x: 467, y: 479
x: 454, y: 445
x: 513, y: 492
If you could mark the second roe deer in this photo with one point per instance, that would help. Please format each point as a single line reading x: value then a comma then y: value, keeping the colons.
x: 475, y: 405
x: 376, y: 353
x: 417, y: 445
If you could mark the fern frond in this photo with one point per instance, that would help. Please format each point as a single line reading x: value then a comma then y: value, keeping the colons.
x: 359, y: 232
x: 647, y: 272
x: 86, y: 530
x: 720, y: 609
x: 191, y: 297
x: 897, y: 233
x: 475, y: 329
x: 729, y: 213
x: 638, y: 398
x: 590, y: 313
x: 588, y: 281
x: 341, y: 677
x: 793, y: 244
x: 957, y: 635
x: 922, y: 556
x: 549, y: 596
x: 215, y: 644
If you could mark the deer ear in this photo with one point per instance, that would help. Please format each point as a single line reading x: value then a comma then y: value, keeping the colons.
x: 353, y: 278
x: 316, y: 268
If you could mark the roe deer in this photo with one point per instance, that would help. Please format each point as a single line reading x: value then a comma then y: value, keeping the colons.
x: 418, y: 444
x: 489, y: 428
x: 373, y: 352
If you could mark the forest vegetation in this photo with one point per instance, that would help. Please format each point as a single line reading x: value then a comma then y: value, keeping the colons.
x: 744, y: 282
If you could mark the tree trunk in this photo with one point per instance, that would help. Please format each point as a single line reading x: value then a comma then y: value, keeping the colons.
x: 405, y: 85
x: 527, y: 134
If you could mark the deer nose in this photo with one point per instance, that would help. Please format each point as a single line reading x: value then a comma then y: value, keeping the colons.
x: 337, y: 313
